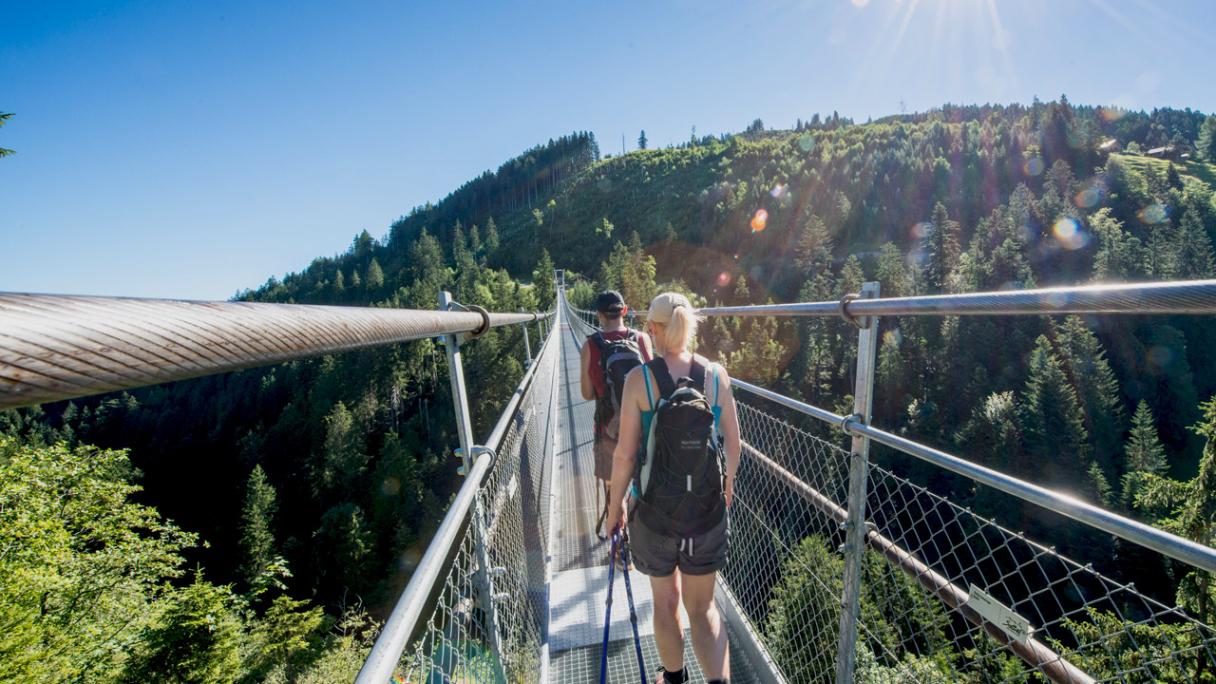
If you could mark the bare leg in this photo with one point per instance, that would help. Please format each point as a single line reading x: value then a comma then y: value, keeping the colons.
x: 668, y: 633
x: 708, y: 632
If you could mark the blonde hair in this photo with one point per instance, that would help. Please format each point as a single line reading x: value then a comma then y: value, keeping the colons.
x: 677, y: 334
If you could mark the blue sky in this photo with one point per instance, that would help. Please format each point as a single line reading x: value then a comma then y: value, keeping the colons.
x: 186, y: 149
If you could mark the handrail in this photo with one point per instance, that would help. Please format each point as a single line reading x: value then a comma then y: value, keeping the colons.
x: 394, y: 637
x: 1171, y: 297
x: 55, y: 347
x: 1178, y: 548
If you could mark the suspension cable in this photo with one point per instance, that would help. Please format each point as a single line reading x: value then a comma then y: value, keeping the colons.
x: 55, y: 347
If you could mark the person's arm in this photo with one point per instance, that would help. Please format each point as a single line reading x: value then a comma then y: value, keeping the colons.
x: 729, y: 425
x: 624, y: 457
x: 584, y: 381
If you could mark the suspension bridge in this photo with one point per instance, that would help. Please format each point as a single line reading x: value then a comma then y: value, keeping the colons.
x: 897, y: 582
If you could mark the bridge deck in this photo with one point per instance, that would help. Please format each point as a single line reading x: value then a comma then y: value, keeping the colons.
x: 580, y: 560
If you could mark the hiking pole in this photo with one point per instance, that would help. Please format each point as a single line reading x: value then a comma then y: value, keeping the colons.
x: 608, y: 612
x: 633, y: 613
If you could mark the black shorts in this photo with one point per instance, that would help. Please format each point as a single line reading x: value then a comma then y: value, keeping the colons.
x: 658, y: 555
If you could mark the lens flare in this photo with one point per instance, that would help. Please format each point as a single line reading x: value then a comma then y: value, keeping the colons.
x: 759, y: 221
x: 1068, y: 232
x: 1087, y: 198
x: 806, y: 141
x: 1160, y: 356
x: 779, y: 190
x: 1154, y: 213
x: 724, y: 279
x: 1033, y: 166
x: 921, y: 230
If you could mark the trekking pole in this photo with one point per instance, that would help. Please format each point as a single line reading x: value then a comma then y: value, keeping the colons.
x: 633, y: 613
x: 608, y: 613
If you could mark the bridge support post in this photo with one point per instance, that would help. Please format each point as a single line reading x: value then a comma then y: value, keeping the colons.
x: 464, y: 429
x: 855, y: 525
x: 527, y: 346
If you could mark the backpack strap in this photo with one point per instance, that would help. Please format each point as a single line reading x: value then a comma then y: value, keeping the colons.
x: 662, y: 376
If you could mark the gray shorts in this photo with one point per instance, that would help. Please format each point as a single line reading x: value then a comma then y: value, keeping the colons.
x: 657, y: 555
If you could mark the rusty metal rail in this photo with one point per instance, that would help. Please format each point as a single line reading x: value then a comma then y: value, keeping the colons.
x: 55, y: 347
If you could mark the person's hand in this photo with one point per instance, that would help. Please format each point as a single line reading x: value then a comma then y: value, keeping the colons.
x: 617, y: 517
x: 729, y: 490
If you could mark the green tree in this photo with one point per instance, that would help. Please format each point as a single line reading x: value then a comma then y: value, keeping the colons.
x: 3, y: 120
x: 1144, y: 451
x: 83, y: 568
x: 1205, y: 145
x: 941, y: 250
x: 286, y: 638
x: 605, y: 229
x: 1188, y: 509
x: 1120, y: 254
x: 1144, y: 454
x: 892, y: 273
x: 342, y: 458
x: 375, y: 275
x: 197, y: 639
x: 339, y: 286
x: 543, y: 281
x: 642, y: 140
x: 1084, y: 360
x: 814, y: 250
x: 491, y: 236
x: 1195, y: 256
x: 257, y: 530
x: 1053, y: 423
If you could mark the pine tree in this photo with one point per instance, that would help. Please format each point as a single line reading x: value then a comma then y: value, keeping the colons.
x: 813, y: 253
x: 1195, y: 256
x: 742, y: 293
x: 1120, y: 254
x: 475, y: 245
x: 375, y: 275
x: 339, y: 285
x: 941, y: 250
x: 1188, y: 509
x: 642, y: 140
x: 3, y: 120
x: 1084, y: 360
x: 543, y: 281
x: 851, y: 276
x: 460, y: 252
x: 1052, y: 422
x: 491, y: 236
x: 892, y: 272
x: 1172, y: 178
x: 1205, y: 146
x: 1144, y: 451
x: 257, y: 523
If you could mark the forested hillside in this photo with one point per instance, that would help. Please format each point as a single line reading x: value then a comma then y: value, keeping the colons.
x: 307, y: 487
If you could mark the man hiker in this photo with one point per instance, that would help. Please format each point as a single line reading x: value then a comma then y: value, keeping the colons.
x: 607, y: 357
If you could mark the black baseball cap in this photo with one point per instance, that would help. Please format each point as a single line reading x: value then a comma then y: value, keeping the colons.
x: 609, y: 302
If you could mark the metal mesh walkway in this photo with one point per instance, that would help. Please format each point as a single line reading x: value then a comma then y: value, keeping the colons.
x: 580, y: 561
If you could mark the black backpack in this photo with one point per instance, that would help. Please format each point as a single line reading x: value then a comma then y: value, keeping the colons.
x: 617, y: 358
x: 679, y: 474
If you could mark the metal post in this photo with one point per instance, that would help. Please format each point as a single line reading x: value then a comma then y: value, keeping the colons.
x: 464, y: 429
x: 855, y: 526
x: 527, y: 346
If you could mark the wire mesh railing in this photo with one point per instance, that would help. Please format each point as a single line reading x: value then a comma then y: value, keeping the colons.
x: 456, y: 644
x: 946, y: 594
x: 483, y: 614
